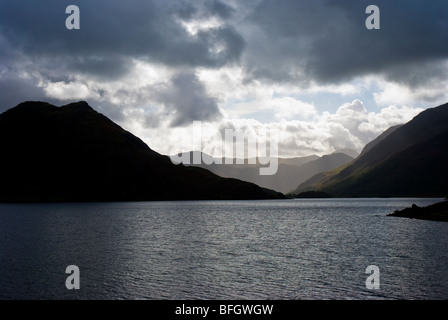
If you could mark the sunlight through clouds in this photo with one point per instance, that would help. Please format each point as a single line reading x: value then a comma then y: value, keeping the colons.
x: 310, y: 69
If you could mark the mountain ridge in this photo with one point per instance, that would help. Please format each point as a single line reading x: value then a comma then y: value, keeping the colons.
x: 419, y: 146
x: 286, y: 177
x: 74, y: 153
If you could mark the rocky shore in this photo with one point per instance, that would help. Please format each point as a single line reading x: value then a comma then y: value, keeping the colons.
x: 436, y: 212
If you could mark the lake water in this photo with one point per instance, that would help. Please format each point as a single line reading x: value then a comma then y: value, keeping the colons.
x: 277, y: 249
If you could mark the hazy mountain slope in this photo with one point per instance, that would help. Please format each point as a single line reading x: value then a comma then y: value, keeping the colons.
x: 409, y: 161
x: 287, y: 176
x: 350, y: 152
x: 73, y: 153
x: 297, y: 161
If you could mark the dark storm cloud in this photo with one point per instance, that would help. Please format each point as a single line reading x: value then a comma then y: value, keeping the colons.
x: 424, y: 73
x: 138, y: 28
x: 102, y: 67
x: 33, y: 38
x: 187, y: 100
x: 323, y: 41
x: 328, y: 42
x: 320, y: 40
x: 220, y: 8
x: 187, y: 9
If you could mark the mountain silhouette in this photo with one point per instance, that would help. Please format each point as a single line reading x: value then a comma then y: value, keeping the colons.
x: 407, y: 160
x: 73, y: 153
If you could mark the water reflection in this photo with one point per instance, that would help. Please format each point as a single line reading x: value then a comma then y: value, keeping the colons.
x: 293, y: 249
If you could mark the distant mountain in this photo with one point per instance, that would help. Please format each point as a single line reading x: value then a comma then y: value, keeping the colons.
x: 297, y: 161
x: 323, y: 164
x: 73, y: 153
x: 291, y: 171
x: 350, y: 152
x: 408, y: 160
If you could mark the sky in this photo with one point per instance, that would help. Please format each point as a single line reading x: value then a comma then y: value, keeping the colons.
x: 310, y: 70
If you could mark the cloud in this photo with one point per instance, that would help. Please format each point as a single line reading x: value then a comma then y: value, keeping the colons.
x: 414, y: 85
x: 156, y: 66
x: 388, y: 117
x: 351, y: 126
x: 113, y: 38
x: 301, y: 41
x: 309, y: 44
x: 326, y: 41
x: 185, y: 97
x: 112, y: 29
x: 288, y: 108
x: 364, y: 125
x: 69, y: 91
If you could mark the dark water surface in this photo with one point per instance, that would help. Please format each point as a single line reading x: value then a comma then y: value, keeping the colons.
x: 285, y: 249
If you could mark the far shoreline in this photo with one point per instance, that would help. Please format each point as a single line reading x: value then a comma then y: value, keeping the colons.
x: 72, y: 201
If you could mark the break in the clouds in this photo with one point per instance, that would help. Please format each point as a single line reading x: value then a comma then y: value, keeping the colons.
x: 309, y: 68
